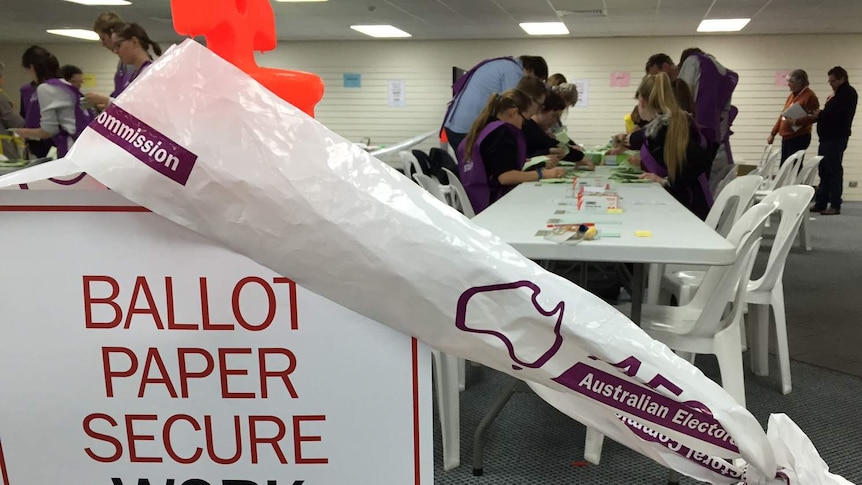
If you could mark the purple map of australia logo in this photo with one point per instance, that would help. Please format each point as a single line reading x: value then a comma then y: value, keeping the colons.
x: 500, y: 293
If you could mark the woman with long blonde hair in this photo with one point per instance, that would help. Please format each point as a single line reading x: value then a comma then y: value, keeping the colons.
x: 492, y: 156
x: 671, y: 147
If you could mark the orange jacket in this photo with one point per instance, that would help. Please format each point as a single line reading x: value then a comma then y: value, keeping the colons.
x: 809, y: 102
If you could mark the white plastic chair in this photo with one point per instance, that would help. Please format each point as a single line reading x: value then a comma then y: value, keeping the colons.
x: 704, y: 325
x: 806, y: 177
x: 448, y: 407
x: 786, y: 175
x: 431, y: 185
x: 728, y: 207
x: 768, y: 290
x: 768, y: 159
x: 460, y: 195
x: 411, y: 164
x: 731, y: 174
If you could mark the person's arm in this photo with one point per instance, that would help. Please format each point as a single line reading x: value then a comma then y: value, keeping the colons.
x: 511, y: 76
x: 636, y: 139
x: 8, y: 117
x: 54, y: 104
x: 690, y: 73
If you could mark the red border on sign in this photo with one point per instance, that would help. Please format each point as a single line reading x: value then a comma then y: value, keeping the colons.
x: 4, y: 475
x: 414, y: 344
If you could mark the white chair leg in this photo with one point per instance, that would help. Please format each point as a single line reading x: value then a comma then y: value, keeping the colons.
x: 730, y: 364
x: 743, y: 338
x: 804, y: 233
x: 593, y: 446
x: 654, y: 283
x: 448, y: 407
x: 462, y: 374
x: 759, y: 339
x: 781, y: 338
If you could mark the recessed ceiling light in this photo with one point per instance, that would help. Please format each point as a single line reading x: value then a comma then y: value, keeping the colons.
x: 545, y: 28
x: 101, y: 2
x: 380, y: 30
x: 722, y: 25
x: 76, y: 33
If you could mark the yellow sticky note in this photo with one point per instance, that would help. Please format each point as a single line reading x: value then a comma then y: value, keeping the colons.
x: 615, y: 211
x: 89, y: 81
x: 643, y: 233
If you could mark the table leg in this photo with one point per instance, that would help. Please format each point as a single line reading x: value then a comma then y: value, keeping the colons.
x: 637, y: 292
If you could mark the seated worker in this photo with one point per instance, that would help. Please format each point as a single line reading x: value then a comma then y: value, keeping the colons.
x: 671, y: 148
x: 493, y: 153
x: 541, y: 141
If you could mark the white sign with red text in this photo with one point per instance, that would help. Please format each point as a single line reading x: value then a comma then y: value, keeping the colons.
x: 133, y: 351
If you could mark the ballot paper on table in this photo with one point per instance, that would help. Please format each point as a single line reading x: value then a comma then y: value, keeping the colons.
x: 262, y: 178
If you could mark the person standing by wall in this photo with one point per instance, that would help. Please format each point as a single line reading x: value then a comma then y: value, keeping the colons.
x: 833, y: 129
x: 795, y: 137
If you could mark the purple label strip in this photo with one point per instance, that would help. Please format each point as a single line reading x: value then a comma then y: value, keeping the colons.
x: 146, y: 144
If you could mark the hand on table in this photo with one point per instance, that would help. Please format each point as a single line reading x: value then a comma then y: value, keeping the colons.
x: 98, y: 100
x: 635, y: 160
x: 586, y: 165
x: 653, y: 178
x: 554, y: 173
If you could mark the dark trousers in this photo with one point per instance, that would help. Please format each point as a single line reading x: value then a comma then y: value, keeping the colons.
x: 793, y: 145
x: 831, y: 173
x: 454, y: 139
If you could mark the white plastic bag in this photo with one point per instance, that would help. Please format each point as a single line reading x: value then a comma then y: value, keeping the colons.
x: 199, y: 142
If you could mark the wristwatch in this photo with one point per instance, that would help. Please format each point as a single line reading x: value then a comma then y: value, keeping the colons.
x: 539, y: 171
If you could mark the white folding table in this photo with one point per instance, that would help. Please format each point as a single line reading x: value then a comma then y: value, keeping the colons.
x: 652, y: 228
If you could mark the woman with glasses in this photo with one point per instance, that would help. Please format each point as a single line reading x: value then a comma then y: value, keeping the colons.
x: 538, y: 131
x: 132, y: 45
x: 61, y: 116
x: 492, y: 156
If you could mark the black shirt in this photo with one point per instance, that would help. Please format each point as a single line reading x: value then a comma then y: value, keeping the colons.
x: 499, y: 152
x: 835, y: 120
x: 540, y: 143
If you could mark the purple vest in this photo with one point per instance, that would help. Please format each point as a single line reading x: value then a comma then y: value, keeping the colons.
x: 122, y: 78
x: 651, y: 165
x: 129, y: 79
x: 30, y: 106
x: 713, y: 100
x: 478, y: 185
x: 63, y: 139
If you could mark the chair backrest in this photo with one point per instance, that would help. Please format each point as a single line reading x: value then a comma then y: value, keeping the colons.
x: 460, y: 194
x: 432, y: 186
x: 732, y: 202
x: 731, y: 175
x: 721, y: 284
x: 770, y: 157
x: 411, y: 164
x: 787, y: 172
x: 793, y: 203
x: 809, y: 170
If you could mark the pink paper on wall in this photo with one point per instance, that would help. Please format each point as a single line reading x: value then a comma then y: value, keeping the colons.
x: 620, y: 79
x: 781, y: 78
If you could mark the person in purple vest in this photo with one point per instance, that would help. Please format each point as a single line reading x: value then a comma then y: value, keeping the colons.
x: 132, y: 45
x: 61, y: 116
x: 486, y: 78
x: 712, y: 87
x: 105, y: 25
x: 492, y: 155
x: 30, y: 111
x: 671, y: 146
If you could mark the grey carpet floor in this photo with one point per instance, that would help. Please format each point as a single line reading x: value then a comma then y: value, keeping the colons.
x: 532, y: 443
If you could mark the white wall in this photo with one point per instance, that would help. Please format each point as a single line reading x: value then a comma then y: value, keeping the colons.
x: 426, y: 68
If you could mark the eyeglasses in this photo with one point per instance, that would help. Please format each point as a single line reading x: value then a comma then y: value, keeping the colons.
x: 118, y: 43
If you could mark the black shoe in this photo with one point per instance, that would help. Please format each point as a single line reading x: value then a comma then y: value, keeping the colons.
x: 815, y: 208
x: 831, y: 212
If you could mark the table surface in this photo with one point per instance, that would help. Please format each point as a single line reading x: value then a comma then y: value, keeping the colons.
x: 676, y: 235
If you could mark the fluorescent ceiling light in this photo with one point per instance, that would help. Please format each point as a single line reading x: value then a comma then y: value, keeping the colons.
x: 544, y: 28
x: 722, y: 25
x: 76, y: 33
x: 380, y: 30
x: 101, y: 2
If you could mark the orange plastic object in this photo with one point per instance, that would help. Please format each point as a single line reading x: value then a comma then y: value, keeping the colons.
x: 235, y: 29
